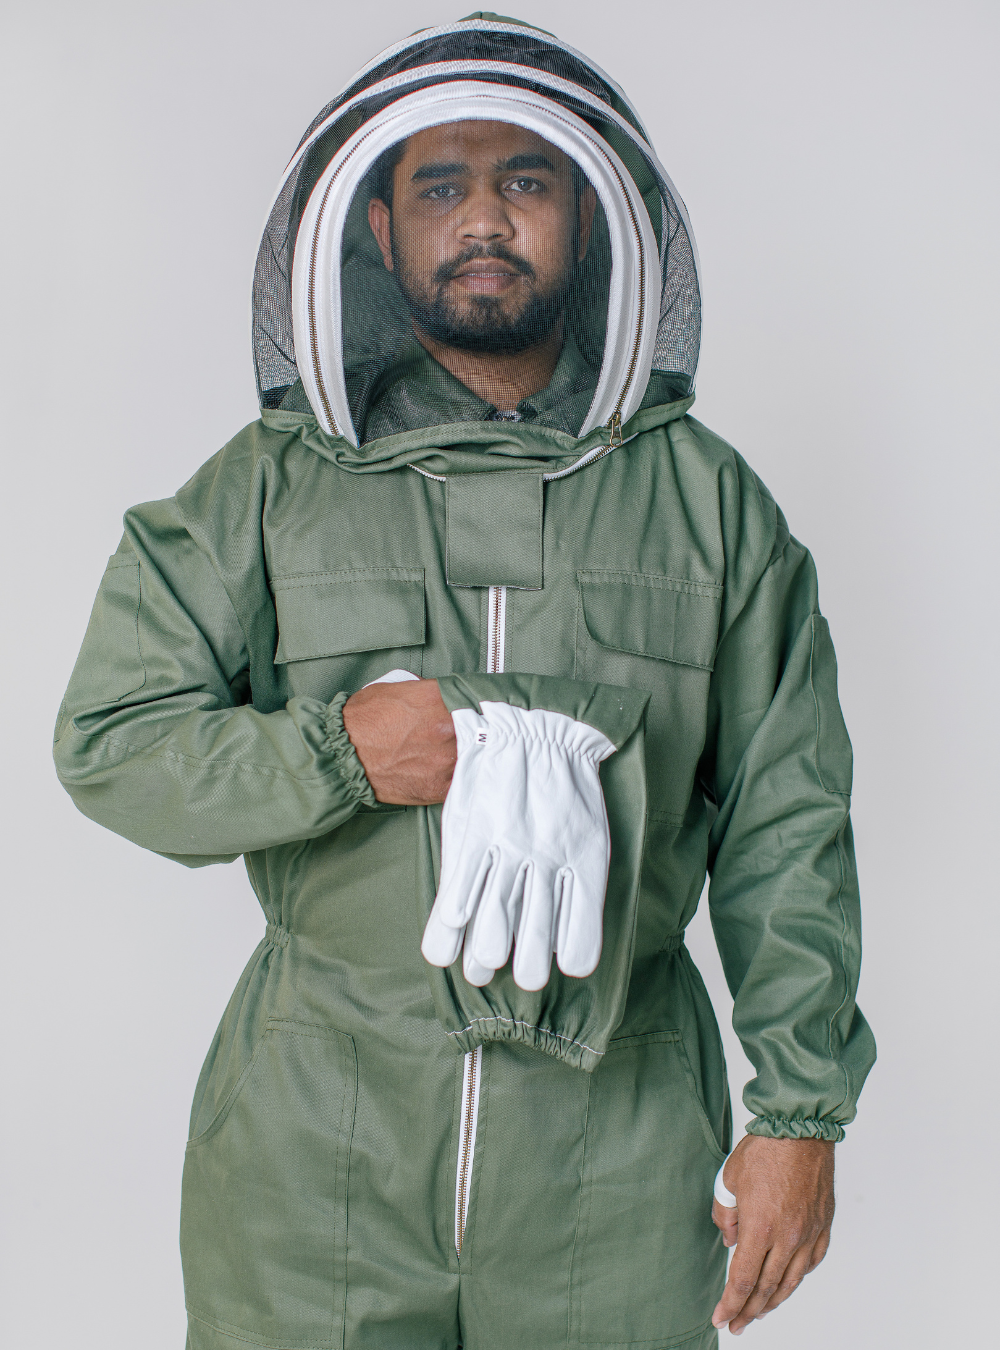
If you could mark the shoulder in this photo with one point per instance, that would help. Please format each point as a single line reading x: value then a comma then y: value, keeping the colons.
x: 722, y: 498
x: 245, y: 460
x: 744, y: 498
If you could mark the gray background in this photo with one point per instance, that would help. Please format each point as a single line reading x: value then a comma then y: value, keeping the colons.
x: 839, y: 162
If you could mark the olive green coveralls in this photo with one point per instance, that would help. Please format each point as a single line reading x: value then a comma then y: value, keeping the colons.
x: 382, y: 1156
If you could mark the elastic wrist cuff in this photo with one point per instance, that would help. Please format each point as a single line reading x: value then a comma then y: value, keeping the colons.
x: 779, y: 1127
x: 338, y: 744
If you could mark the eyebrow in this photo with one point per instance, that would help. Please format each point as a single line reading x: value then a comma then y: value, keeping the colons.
x: 520, y: 163
x: 454, y: 169
x: 440, y: 170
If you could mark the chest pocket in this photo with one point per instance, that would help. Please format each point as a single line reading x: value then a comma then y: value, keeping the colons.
x: 339, y: 630
x: 659, y: 634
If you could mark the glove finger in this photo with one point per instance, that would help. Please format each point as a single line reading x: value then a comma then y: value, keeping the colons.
x: 492, y: 934
x: 578, y: 927
x: 459, y: 893
x: 474, y: 971
x: 441, y: 942
x: 533, y: 950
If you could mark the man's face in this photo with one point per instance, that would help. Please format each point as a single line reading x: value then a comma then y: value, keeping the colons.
x: 484, y: 234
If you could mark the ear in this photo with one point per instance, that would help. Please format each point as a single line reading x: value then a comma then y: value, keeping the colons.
x: 380, y: 220
x: 588, y: 205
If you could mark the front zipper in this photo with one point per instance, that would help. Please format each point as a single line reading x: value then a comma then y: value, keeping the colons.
x: 496, y: 627
x: 497, y: 621
x: 467, y: 1142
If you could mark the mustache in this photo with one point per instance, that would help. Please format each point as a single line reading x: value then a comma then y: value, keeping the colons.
x: 448, y: 271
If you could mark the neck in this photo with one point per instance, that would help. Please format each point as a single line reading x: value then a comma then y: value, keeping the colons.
x: 500, y: 378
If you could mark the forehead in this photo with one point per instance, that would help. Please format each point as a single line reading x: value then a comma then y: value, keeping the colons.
x: 478, y: 144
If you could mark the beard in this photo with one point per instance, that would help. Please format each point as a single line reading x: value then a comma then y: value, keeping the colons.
x: 483, y: 325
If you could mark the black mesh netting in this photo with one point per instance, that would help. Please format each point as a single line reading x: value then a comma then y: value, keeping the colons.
x: 378, y: 346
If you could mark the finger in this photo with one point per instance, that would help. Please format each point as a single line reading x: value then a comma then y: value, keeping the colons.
x: 744, y: 1270
x: 795, y: 1272
x: 725, y: 1219
x: 820, y: 1249
x: 492, y: 931
x: 578, y: 929
x: 473, y: 970
x: 772, y: 1272
x: 533, y: 950
x: 441, y: 942
x: 460, y: 893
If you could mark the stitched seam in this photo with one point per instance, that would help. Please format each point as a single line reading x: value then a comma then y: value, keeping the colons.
x: 843, y: 965
x: 238, y: 1334
x: 666, y: 817
x: 516, y: 1022
x: 534, y: 738
x: 824, y: 1121
x: 706, y: 590
x: 224, y: 763
x: 834, y: 792
x: 354, y: 576
x: 657, y: 1343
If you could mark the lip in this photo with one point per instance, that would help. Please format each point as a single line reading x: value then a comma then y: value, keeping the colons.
x: 485, y: 278
x: 485, y: 269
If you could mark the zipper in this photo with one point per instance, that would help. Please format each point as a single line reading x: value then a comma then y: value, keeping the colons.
x: 613, y: 422
x: 496, y: 618
x: 496, y: 606
x: 467, y: 1146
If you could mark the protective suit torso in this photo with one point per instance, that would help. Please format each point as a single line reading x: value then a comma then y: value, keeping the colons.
x: 383, y: 1154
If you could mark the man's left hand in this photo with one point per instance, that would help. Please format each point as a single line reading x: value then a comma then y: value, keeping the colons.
x: 780, y: 1226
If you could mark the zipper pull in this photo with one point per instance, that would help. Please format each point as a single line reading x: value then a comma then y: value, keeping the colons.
x: 615, y: 430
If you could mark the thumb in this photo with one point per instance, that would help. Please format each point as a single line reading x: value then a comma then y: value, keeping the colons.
x: 725, y: 1210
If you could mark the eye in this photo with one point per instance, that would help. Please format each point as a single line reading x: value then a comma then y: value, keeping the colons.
x: 525, y: 185
x: 440, y: 192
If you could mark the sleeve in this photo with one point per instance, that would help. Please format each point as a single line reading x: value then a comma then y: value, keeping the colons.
x: 157, y: 738
x: 784, y: 894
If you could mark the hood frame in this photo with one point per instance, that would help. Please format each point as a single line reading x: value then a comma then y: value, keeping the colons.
x: 634, y: 298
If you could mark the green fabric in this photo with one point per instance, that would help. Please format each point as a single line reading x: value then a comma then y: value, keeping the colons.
x: 747, y: 764
x: 466, y: 447
x: 494, y: 530
x: 550, y: 1254
x: 415, y: 390
x: 203, y: 720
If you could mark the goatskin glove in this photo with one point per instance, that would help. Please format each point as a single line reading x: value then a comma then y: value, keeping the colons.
x: 525, y: 847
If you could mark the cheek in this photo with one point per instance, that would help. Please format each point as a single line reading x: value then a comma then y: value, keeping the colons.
x: 545, y: 241
x: 424, y: 244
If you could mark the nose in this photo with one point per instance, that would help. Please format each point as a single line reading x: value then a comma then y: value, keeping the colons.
x: 486, y: 218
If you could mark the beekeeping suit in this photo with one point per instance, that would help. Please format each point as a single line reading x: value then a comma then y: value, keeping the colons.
x: 411, y: 1129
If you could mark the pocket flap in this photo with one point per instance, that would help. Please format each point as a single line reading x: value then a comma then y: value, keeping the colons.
x: 663, y: 617
x: 333, y: 613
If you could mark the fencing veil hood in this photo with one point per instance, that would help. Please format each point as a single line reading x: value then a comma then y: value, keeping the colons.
x: 334, y: 328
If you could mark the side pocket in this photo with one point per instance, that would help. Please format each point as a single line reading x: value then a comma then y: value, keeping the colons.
x: 264, y: 1203
x: 648, y: 1265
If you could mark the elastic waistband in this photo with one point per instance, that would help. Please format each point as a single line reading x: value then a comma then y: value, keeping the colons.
x: 277, y: 935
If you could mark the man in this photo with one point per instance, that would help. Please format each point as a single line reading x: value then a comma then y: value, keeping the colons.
x: 476, y: 553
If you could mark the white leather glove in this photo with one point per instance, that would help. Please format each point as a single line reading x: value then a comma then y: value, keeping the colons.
x: 525, y: 847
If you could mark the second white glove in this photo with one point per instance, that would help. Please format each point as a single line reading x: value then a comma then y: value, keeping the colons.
x: 525, y: 846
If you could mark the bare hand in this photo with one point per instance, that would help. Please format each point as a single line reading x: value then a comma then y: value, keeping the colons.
x: 405, y: 739
x: 780, y: 1226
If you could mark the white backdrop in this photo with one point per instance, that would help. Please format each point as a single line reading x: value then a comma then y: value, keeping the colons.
x: 839, y: 163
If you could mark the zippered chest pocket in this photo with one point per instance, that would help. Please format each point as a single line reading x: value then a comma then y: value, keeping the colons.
x: 659, y: 634
x: 339, y: 630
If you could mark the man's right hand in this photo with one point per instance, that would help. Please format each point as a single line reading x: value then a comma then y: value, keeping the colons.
x: 405, y: 739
